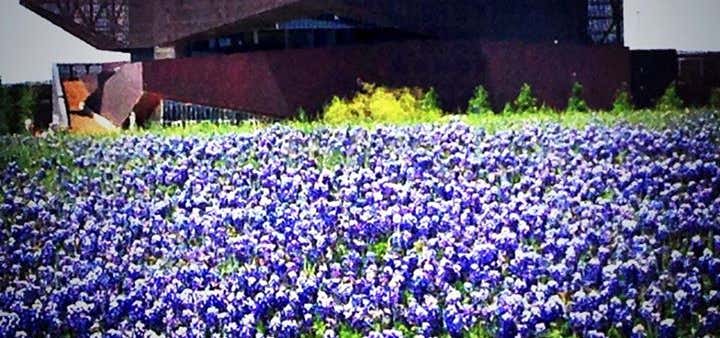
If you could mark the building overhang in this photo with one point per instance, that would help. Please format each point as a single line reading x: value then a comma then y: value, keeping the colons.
x: 68, y: 24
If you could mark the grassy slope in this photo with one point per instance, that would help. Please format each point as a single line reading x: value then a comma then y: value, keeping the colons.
x: 27, y: 152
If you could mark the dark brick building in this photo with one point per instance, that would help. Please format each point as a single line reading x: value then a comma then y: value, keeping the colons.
x: 272, y: 57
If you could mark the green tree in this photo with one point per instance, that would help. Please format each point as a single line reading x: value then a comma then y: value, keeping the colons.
x: 576, y: 103
x: 430, y: 101
x: 5, y: 109
x: 622, y: 103
x: 16, y: 105
x: 525, y: 101
x: 670, y: 101
x: 480, y: 102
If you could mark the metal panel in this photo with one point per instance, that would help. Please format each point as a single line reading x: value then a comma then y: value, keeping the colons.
x: 278, y: 83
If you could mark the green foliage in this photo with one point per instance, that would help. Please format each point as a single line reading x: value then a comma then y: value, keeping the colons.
x: 228, y: 267
x: 480, y: 102
x: 478, y: 331
x: 302, y: 116
x: 430, y: 101
x: 379, y: 249
x: 648, y: 118
x: 376, y: 104
x: 309, y: 268
x: 406, y: 297
x: 14, y: 111
x: 340, y: 250
x: 526, y: 102
x: 560, y: 331
x: 715, y: 98
x: 622, y: 103
x: 27, y: 152
x: 576, y: 103
x: 508, y: 109
x: 205, y: 129
x: 5, y: 110
x: 348, y: 332
x: 319, y: 328
x: 260, y: 327
x: 331, y: 159
x: 406, y: 331
x: 27, y: 102
x: 670, y: 101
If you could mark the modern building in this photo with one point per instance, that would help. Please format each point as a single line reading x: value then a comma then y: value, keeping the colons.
x: 272, y: 57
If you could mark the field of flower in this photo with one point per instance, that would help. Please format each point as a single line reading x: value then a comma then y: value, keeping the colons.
x: 431, y: 230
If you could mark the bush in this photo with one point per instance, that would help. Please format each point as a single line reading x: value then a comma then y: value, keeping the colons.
x: 381, y: 104
x: 430, y: 101
x: 480, y: 102
x: 670, y: 101
x: 524, y: 103
x: 576, y: 103
x: 715, y: 98
x: 622, y: 103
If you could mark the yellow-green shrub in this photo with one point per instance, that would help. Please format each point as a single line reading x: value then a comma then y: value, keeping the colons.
x: 385, y: 105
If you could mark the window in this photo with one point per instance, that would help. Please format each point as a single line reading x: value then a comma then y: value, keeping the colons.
x: 605, y: 21
x: 224, y: 42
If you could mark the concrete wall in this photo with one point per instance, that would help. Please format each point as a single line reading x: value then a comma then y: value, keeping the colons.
x: 278, y: 83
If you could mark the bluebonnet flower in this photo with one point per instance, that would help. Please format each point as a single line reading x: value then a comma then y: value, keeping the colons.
x: 668, y: 329
x: 436, y: 227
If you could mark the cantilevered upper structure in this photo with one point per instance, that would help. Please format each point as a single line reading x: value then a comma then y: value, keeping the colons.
x: 132, y: 25
x: 394, y: 33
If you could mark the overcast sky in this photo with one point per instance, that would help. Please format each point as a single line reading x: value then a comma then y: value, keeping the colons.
x: 29, y: 44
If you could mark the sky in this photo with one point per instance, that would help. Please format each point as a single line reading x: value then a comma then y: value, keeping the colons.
x: 29, y: 44
x: 689, y: 25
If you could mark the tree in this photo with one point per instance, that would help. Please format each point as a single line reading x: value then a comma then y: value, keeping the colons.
x: 576, y: 103
x: 5, y: 109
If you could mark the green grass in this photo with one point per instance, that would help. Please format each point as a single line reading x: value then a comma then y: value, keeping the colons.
x: 199, y: 129
x: 648, y: 118
x: 26, y: 151
x: 31, y: 154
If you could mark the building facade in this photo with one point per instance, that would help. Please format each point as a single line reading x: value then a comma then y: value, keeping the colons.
x: 274, y: 57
